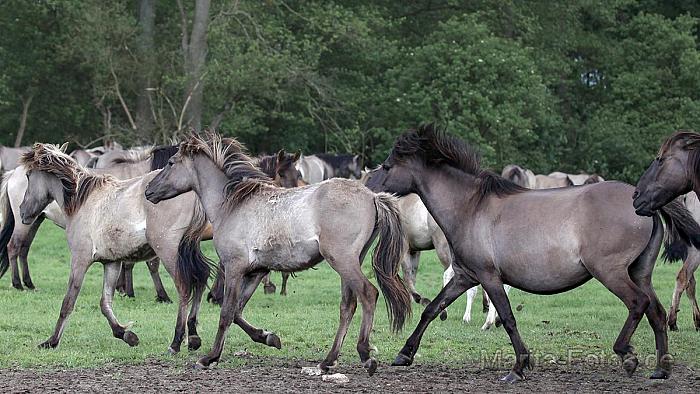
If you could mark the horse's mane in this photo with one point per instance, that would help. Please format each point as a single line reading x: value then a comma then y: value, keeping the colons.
x: 435, y: 147
x: 337, y: 161
x: 131, y: 156
x: 244, y: 178
x: 77, y: 183
x: 691, y: 143
x: 160, y: 155
x: 268, y: 163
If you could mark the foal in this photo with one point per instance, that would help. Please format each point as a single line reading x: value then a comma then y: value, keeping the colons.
x: 260, y: 227
x: 109, y: 221
x: 499, y: 234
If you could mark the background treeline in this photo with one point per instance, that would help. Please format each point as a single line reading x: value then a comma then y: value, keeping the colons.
x: 580, y: 85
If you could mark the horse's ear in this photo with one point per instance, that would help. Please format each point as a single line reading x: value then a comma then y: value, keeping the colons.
x: 297, y: 155
x: 280, y: 156
x: 64, y: 147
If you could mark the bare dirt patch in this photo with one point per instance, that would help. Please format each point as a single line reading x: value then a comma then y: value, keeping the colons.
x: 275, y: 375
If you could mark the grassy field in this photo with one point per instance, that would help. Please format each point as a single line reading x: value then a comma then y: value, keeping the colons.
x: 580, y: 324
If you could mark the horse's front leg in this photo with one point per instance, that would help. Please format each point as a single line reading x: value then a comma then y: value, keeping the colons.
x: 75, y: 281
x: 269, y: 287
x: 111, y: 276
x: 493, y: 287
x: 455, y: 288
x: 249, y: 284
x: 229, y: 308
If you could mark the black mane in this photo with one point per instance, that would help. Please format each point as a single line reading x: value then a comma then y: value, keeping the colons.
x: 160, y: 155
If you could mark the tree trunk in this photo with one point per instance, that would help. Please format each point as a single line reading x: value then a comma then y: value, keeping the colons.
x: 195, y: 53
x: 26, y: 102
x: 144, y: 116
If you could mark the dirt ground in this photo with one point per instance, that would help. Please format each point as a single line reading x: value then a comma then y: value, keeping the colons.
x: 272, y: 375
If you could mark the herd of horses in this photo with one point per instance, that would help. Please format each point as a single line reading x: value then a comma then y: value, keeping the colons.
x: 543, y: 234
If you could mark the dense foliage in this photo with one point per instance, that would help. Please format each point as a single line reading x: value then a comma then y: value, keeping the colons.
x: 582, y: 85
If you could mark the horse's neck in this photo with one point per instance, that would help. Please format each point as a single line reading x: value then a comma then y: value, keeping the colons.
x: 446, y: 193
x: 56, y: 192
x: 209, y: 186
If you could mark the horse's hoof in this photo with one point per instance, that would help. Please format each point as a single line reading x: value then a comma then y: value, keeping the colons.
x: 443, y: 315
x: 29, y: 286
x: 273, y: 340
x: 283, y: 293
x: 164, y: 300
x: 193, y: 342
x: 673, y: 326
x: 629, y: 364
x: 172, y: 351
x: 130, y: 338
x: 498, y: 322
x: 325, y: 367
x: 270, y: 289
x: 18, y: 286
x: 371, y: 366
x: 204, y: 363
x: 48, y: 344
x: 402, y: 360
x: 513, y: 377
x: 660, y: 374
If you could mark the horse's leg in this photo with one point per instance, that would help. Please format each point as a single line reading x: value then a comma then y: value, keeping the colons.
x: 111, y: 275
x: 13, y: 250
x: 181, y: 322
x: 24, y: 251
x: 161, y: 295
x: 456, y: 287
x: 285, y: 278
x: 216, y: 294
x: 485, y: 302
x: 248, y: 286
x: 193, y: 340
x: 348, y: 305
x: 75, y: 281
x: 493, y: 286
x: 681, y: 284
x: 269, y: 287
x: 121, y: 281
x: 128, y: 269
x: 693, y: 302
x: 410, y: 263
x: 492, y: 316
x: 471, y: 294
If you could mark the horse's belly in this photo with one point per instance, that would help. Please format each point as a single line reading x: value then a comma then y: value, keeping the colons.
x: 545, y: 277
x: 287, y: 256
x: 122, y: 244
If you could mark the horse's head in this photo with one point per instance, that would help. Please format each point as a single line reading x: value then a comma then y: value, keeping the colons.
x: 43, y: 164
x: 37, y: 196
x: 671, y: 174
x: 174, y: 179
x: 286, y: 173
x: 355, y: 167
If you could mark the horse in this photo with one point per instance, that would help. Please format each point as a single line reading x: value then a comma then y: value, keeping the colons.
x: 313, y: 170
x: 343, y: 166
x: 685, y: 280
x: 260, y: 227
x: 520, y: 176
x: 109, y: 221
x: 499, y: 234
x: 16, y: 238
x: 9, y: 157
x: 550, y: 182
x: 674, y: 172
x: 283, y: 172
x: 579, y: 179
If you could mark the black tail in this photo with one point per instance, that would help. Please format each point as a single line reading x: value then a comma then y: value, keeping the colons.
x: 8, y: 226
x: 194, y: 268
x: 387, y: 258
x: 682, y: 231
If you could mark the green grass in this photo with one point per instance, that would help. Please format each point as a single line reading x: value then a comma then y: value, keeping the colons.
x: 582, y: 323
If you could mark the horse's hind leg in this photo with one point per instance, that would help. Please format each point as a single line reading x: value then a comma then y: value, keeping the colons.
x: 693, y: 301
x: 682, y: 283
x: 75, y: 282
x: 111, y: 275
x: 249, y: 284
x: 128, y: 271
x: 24, y: 251
x: 410, y: 263
x: 193, y: 340
x: 13, y: 251
x: 471, y: 294
x: 269, y: 287
x: 455, y: 288
x: 348, y: 305
x: 161, y: 295
x: 216, y: 294
x: 285, y: 278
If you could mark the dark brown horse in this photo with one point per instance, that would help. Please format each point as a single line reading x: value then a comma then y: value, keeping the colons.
x: 675, y: 171
x: 500, y: 234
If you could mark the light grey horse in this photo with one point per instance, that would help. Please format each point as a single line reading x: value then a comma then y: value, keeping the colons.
x: 685, y: 280
x: 551, y: 182
x: 16, y: 238
x: 579, y: 179
x: 110, y: 221
x: 9, y: 157
x: 313, y: 169
x: 520, y: 176
x: 260, y: 227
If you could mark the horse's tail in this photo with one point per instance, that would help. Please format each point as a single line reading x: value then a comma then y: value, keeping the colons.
x: 682, y: 231
x: 8, y: 224
x: 194, y: 268
x: 387, y: 258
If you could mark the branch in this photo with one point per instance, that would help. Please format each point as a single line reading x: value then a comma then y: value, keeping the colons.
x: 187, y: 102
x: 119, y: 95
x: 183, y: 23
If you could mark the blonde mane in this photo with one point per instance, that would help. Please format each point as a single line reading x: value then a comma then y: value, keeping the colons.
x: 77, y: 182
